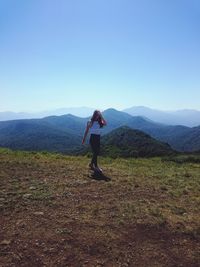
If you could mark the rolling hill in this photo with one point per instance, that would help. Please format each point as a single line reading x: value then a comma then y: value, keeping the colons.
x: 37, y: 135
x: 126, y: 142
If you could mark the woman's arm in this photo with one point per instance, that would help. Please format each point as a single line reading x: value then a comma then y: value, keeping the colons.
x: 86, y: 132
x: 103, y: 120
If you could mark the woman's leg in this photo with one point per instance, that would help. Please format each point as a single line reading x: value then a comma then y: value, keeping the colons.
x: 94, y: 159
x: 95, y: 145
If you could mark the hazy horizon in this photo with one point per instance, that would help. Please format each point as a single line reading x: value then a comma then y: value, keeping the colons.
x: 99, y: 53
x: 102, y: 109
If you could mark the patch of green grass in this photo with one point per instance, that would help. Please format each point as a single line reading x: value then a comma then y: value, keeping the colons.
x: 181, y: 159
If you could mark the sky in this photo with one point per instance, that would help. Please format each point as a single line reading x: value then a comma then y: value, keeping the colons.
x: 99, y: 53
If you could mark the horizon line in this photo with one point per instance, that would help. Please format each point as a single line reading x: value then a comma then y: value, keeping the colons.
x: 102, y: 109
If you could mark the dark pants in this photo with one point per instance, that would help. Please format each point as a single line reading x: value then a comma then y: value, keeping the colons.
x: 95, y: 145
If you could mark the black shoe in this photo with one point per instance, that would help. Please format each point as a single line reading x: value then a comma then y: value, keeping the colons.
x: 97, y: 169
x: 91, y: 166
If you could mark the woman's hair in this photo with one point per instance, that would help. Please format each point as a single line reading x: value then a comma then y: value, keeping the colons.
x: 96, y: 117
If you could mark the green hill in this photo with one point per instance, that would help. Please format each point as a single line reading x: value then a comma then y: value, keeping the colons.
x: 54, y: 212
x: 190, y: 141
x: 54, y: 134
x: 126, y: 142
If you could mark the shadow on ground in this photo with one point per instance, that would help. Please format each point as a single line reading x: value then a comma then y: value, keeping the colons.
x: 99, y: 176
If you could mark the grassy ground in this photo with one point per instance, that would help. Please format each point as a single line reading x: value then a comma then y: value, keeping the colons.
x: 54, y: 212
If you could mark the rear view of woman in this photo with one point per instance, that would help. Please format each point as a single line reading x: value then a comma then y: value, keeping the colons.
x: 94, y: 127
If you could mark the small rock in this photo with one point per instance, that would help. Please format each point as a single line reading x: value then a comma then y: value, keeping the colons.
x: 19, y: 221
x: 27, y: 195
x: 32, y: 187
x: 2, y: 199
x: 5, y: 242
x: 67, y: 194
x: 39, y: 213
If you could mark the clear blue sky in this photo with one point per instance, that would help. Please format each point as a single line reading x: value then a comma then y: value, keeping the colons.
x: 99, y: 53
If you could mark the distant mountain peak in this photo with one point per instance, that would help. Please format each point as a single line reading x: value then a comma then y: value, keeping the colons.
x: 111, y: 110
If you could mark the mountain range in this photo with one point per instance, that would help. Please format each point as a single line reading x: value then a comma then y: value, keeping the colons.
x: 185, y: 117
x: 64, y: 133
x: 79, y: 112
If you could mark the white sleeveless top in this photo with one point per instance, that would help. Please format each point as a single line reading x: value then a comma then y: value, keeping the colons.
x: 95, y: 128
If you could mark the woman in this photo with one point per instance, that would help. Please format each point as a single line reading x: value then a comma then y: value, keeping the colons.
x: 94, y: 126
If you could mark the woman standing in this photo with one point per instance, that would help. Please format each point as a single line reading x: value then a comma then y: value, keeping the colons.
x: 94, y: 127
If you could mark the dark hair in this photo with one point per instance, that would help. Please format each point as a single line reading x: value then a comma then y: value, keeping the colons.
x: 96, y: 117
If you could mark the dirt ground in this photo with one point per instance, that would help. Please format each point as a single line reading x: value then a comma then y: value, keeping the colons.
x: 55, y: 213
